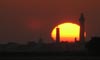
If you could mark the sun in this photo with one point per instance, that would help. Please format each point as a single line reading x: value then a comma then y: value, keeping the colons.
x: 68, y: 32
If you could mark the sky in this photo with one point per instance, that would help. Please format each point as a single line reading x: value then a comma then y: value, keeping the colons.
x: 28, y: 20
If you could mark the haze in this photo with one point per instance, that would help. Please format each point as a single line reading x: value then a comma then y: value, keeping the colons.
x: 26, y: 20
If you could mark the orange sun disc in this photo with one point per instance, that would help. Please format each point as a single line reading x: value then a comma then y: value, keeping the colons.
x: 68, y: 32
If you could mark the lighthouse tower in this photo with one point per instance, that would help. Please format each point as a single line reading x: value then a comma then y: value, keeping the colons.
x: 57, y: 35
x: 82, y: 28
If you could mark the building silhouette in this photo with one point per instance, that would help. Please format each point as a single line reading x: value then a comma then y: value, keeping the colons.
x: 57, y: 35
x: 82, y: 28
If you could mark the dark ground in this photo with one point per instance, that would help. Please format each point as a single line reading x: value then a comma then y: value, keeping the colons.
x: 49, y: 55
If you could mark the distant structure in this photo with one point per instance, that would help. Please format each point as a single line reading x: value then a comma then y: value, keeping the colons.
x: 57, y: 35
x: 75, y: 39
x: 40, y: 41
x: 82, y: 28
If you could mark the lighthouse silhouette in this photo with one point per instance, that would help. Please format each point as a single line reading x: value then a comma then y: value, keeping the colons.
x: 57, y: 35
x: 82, y: 28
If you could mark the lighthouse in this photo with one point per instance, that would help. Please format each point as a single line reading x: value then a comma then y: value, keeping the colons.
x: 57, y: 35
x: 82, y: 28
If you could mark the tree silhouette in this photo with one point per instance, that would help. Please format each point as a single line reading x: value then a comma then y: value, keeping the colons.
x: 93, y: 45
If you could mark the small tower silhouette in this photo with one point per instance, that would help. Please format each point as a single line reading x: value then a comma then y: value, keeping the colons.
x: 57, y: 35
x: 82, y: 28
x: 40, y: 41
x: 75, y: 39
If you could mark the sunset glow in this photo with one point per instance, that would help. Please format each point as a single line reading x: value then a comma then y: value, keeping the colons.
x: 68, y: 32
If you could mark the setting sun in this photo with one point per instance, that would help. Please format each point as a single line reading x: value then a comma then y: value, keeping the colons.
x: 68, y: 32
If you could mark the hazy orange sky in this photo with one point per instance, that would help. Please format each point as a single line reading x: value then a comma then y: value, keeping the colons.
x: 25, y: 20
